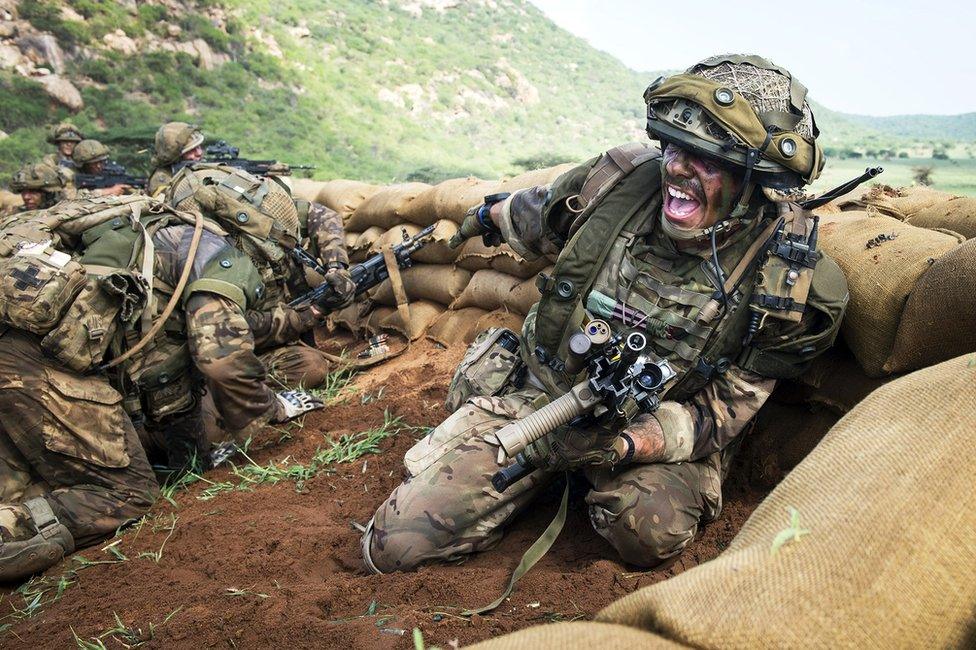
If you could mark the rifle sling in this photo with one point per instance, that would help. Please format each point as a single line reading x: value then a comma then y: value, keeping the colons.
x: 534, y: 553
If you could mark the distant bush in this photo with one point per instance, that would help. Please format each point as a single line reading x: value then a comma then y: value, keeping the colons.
x: 922, y: 175
x: 940, y: 154
x: 45, y: 15
x: 25, y: 104
x: 541, y: 161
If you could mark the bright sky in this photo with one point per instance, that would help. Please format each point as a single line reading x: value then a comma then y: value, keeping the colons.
x: 856, y: 56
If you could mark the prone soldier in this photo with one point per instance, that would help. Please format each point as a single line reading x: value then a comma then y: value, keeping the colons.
x: 695, y: 246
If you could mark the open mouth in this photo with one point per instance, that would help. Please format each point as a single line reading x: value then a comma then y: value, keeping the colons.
x: 681, y: 207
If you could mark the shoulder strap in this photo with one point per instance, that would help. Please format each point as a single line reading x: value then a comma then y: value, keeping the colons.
x: 612, y: 167
x: 583, y: 255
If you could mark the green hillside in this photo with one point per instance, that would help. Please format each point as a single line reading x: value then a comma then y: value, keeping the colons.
x: 380, y: 90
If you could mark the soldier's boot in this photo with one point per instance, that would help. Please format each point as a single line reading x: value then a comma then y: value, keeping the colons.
x: 31, y: 539
x: 364, y: 543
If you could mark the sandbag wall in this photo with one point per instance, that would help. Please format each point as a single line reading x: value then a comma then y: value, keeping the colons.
x: 910, y: 259
x: 452, y: 293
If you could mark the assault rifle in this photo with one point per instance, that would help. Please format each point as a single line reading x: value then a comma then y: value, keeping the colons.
x: 112, y: 174
x: 621, y: 377
x: 366, y: 275
x: 223, y: 153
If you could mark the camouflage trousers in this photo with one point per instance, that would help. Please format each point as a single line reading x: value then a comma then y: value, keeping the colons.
x: 447, y: 508
x: 66, y: 438
x: 289, y: 366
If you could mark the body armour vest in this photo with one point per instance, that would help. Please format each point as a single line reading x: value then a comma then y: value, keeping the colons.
x: 619, y: 266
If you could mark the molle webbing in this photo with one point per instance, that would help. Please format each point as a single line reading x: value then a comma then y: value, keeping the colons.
x: 584, y: 254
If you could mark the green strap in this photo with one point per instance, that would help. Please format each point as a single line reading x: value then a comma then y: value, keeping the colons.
x: 535, y: 553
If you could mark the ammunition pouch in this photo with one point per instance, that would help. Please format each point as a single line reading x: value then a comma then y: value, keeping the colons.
x: 91, y: 323
x: 491, y: 363
x: 169, y: 387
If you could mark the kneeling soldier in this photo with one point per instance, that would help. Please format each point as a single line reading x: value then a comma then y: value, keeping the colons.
x: 695, y: 247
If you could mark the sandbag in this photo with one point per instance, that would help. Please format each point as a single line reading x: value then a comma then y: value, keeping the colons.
x: 900, y: 203
x: 957, y: 213
x: 939, y: 319
x: 385, y: 207
x: 523, y: 296
x: 9, y: 201
x: 377, y: 317
x: 345, y: 196
x: 535, y: 177
x: 450, y: 200
x: 474, y: 256
x: 435, y: 252
x: 363, y: 245
x: 440, y: 283
x: 352, y: 317
x: 305, y: 188
x: 456, y: 326
x: 881, y: 278
x: 500, y: 318
x: 422, y: 314
x: 488, y: 290
x: 513, y: 264
x: 890, y: 559
x: 349, y: 240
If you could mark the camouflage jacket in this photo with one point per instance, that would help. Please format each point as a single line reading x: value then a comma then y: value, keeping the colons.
x: 647, y: 271
x: 274, y: 322
x: 208, y: 337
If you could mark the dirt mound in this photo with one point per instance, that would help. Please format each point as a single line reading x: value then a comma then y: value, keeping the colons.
x: 280, y: 563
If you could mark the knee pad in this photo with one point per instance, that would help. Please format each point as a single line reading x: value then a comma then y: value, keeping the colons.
x: 51, y: 543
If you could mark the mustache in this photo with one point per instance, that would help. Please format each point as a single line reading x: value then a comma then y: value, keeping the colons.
x: 690, y: 186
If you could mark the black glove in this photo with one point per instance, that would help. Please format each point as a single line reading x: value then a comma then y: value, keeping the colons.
x: 343, y: 290
x: 478, y: 221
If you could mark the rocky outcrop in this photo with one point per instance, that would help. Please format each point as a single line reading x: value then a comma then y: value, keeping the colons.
x: 62, y: 91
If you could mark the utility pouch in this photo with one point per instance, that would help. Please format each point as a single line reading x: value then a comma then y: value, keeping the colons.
x: 168, y: 388
x: 84, y: 334
x: 37, y: 282
x: 783, y: 281
x: 491, y: 362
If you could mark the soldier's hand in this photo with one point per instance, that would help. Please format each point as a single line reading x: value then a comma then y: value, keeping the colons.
x: 115, y: 190
x: 475, y: 224
x: 343, y: 290
x: 573, y: 449
x: 293, y: 403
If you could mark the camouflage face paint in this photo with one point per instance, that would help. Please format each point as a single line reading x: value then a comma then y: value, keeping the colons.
x: 698, y: 191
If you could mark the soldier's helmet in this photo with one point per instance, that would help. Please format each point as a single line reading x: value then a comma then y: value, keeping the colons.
x: 89, y: 151
x: 39, y: 177
x: 270, y: 196
x: 174, y: 139
x: 741, y: 109
x: 65, y: 132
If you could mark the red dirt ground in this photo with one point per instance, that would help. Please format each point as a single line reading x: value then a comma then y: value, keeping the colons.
x: 300, y: 552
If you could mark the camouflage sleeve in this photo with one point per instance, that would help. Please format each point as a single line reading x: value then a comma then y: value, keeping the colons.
x: 279, y: 325
x: 535, y: 221
x: 714, y: 417
x: 222, y: 348
x: 326, y: 231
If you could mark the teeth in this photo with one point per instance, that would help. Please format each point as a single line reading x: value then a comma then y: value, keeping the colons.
x: 678, y: 194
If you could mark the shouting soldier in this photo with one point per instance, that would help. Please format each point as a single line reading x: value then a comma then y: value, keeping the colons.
x: 694, y: 245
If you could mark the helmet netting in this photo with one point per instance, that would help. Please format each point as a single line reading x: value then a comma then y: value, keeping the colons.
x: 765, y: 90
